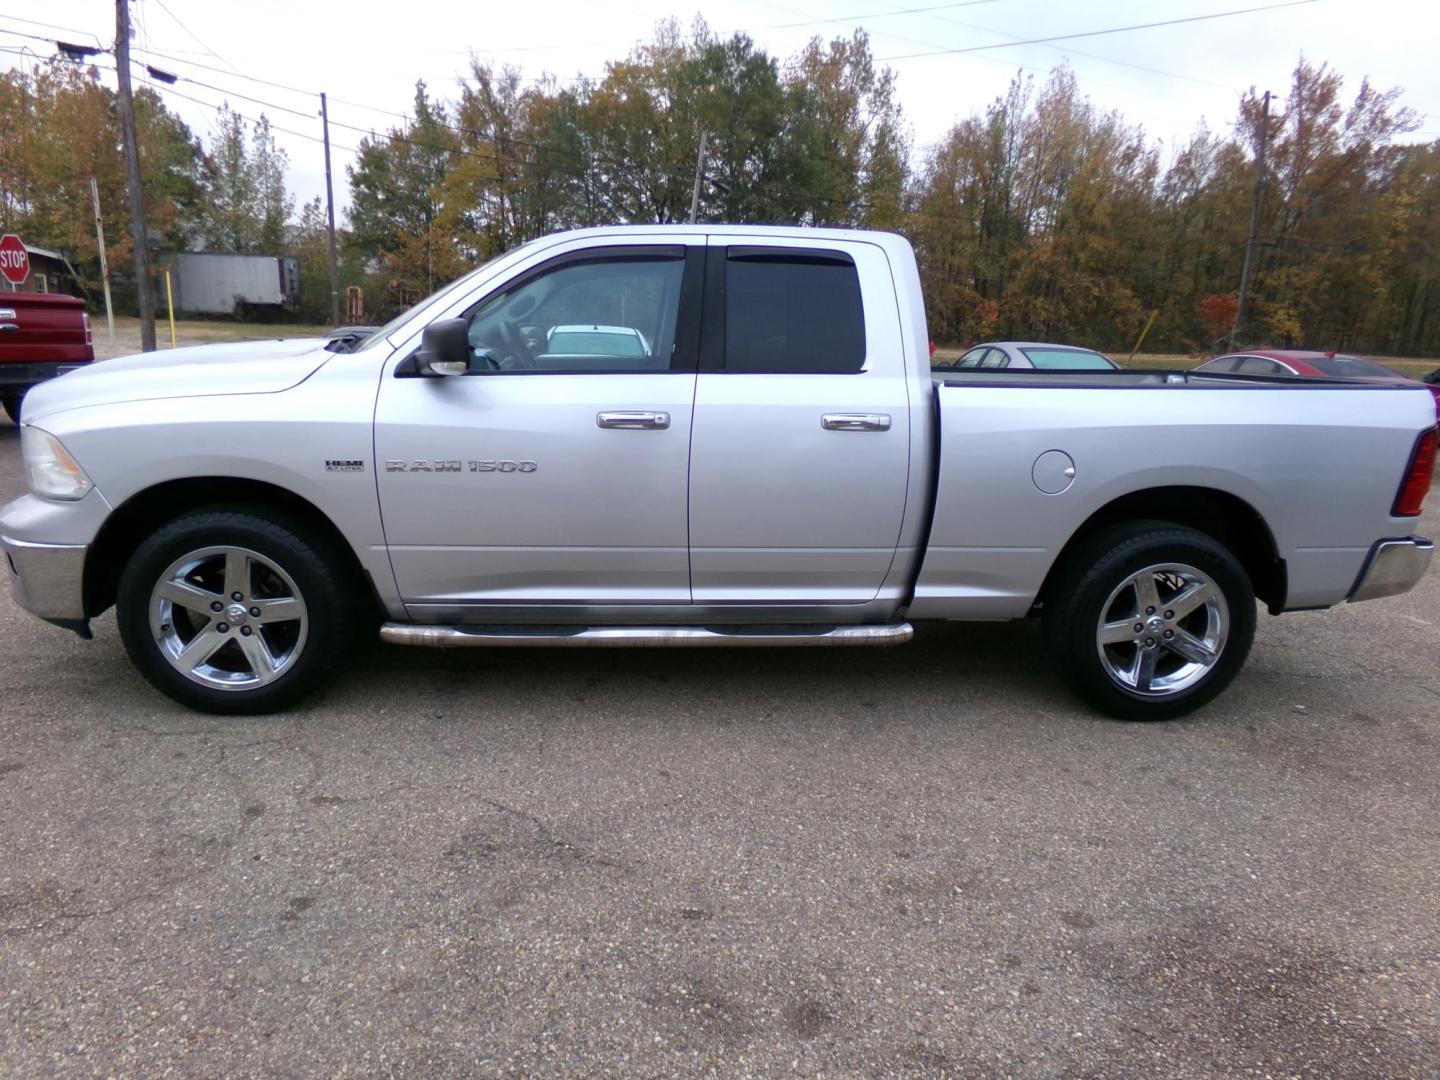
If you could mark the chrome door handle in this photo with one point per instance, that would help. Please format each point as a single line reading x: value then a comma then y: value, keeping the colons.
x: 855, y: 421
x: 653, y: 420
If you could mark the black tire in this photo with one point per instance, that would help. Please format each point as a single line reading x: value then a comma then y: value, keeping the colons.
x: 307, y: 648
x: 12, y: 403
x: 1094, y: 589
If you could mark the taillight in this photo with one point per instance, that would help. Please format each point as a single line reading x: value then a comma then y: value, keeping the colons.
x: 1436, y: 391
x: 89, y: 334
x: 1411, y: 499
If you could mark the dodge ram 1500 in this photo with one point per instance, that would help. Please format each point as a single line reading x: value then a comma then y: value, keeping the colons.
x: 768, y: 461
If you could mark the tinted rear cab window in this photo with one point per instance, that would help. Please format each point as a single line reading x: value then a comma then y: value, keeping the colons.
x: 793, y: 313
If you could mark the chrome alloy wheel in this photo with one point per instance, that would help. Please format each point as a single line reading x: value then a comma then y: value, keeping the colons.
x: 1163, y: 629
x: 228, y: 618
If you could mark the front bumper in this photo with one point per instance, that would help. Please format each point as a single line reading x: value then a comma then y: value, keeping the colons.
x: 48, y: 580
x: 1393, y: 567
x: 45, y: 543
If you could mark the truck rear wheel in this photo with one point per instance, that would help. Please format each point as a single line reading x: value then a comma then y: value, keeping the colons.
x: 12, y: 403
x: 235, y: 610
x: 1153, y: 620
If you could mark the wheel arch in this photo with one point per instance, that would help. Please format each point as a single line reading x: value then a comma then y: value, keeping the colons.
x: 1225, y: 517
x: 147, y: 510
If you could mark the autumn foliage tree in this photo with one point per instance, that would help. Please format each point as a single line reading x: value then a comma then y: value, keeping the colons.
x: 61, y: 129
x: 1037, y: 216
x: 1216, y: 313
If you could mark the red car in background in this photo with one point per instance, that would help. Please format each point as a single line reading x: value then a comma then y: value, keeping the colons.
x: 1313, y: 365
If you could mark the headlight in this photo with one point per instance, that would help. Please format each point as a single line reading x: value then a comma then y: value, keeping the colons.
x: 52, y: 472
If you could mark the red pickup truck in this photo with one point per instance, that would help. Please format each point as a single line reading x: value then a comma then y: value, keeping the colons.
x: 41, y: 335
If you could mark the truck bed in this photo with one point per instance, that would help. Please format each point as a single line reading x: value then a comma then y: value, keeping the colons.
x: 1303, y: 455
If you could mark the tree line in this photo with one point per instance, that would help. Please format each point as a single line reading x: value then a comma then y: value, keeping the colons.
x: 1038, y: 216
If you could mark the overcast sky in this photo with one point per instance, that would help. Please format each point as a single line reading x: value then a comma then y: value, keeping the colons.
x: 367, y: 55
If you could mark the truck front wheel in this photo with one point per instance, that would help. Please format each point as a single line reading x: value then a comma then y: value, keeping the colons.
x: 1152, y: 620
x: 235, y: 610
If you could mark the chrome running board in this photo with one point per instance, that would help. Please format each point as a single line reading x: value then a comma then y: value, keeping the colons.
x: 625, y: 637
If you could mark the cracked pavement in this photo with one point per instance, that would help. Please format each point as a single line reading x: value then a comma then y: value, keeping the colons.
x: 923, y: 861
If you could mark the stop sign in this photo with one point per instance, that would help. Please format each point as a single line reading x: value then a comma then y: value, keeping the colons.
x: 14, y: 259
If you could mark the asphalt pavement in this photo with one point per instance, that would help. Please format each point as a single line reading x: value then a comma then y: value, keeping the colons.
x: 922, y: 861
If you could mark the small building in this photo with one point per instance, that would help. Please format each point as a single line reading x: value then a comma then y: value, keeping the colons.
x: 50, y: 272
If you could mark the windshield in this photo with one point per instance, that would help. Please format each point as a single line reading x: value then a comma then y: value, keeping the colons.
x: 1349, y: 365
x: 434, y: 300
x: 1068, y: 360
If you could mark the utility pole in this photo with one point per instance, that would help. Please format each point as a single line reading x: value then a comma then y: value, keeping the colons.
x: 104, y: 267
x: 330, y: 210
x: 143, y: 291
x: 1254, y: 236
x: 699, y: 176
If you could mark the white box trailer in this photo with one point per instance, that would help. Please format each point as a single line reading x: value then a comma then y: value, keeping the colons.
x: 222, y: 283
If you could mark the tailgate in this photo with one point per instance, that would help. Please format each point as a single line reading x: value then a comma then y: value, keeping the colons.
x: 38, y: 327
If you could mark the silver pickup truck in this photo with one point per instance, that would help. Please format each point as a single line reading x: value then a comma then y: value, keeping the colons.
x: 696, y: 436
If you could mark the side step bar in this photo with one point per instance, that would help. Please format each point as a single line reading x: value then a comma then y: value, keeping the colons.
x: 625, y: 637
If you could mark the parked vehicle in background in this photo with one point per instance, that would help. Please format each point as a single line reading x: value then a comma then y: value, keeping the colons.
x: 1031, y: 355
x: 1314, y: 365
x: 769, y: 462
x: 605, y: 342
x: 223, y: 283
x: 42, y: 335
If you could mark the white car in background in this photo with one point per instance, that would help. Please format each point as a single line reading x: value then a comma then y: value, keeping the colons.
x: 1032, y: 355
x: 623, y: 341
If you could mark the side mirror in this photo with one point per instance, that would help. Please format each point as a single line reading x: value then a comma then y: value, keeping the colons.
x: 445, y: 348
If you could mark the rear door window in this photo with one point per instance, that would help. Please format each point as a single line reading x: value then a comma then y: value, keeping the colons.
x: 792, y: 312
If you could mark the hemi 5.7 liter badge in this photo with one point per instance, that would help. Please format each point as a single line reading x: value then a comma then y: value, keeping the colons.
x: 344, y: 465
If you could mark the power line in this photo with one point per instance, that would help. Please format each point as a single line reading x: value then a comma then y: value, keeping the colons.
x: 926, y: 9
x: 487, y: 158
x: 1098, y: 33
x: 170, y: 90
x: 37, y: 37
x: 809, y: 21
x: 392, y: 136
x: 856, y: 204
x: 53, y: 26
x: 997, y: 60
x: 1015, y: 38
x: 495, y: 156
x: 196, y: 37
x: 252, y: 100
x: 895, y: 11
